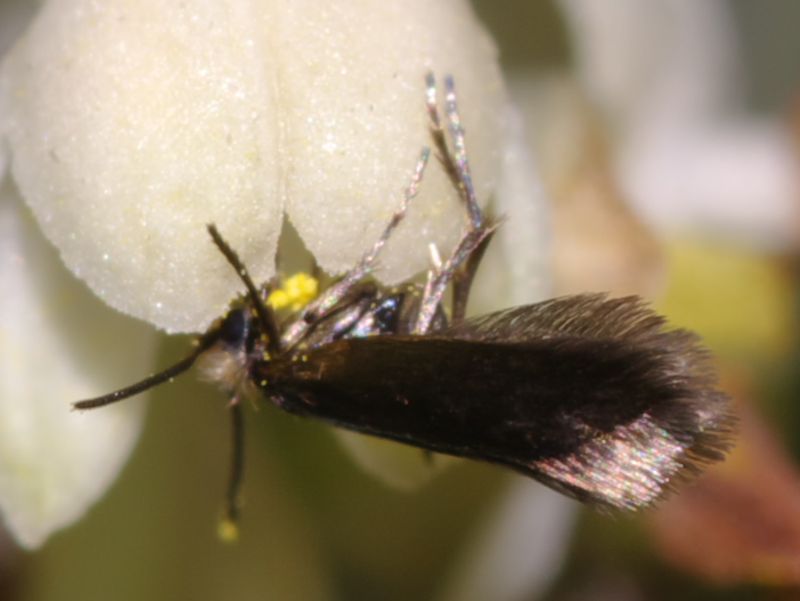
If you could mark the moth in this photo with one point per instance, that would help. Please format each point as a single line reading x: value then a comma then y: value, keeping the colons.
x: 593, y: 396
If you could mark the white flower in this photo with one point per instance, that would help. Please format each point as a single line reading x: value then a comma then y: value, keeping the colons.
x: 135, y: 123
x: 57, y: 344
x: 689, y: 157
x: 132, y: 124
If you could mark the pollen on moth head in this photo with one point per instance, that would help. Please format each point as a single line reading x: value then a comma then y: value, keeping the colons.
x: 296, y: 292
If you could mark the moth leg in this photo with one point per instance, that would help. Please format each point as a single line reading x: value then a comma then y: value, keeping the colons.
x: 367, y: 262
x: 471, y: 243
x: 333, y: 296
x: 455, y: 161
x: 229, y: 525
x: 467, y: 256
x: 463, y: 277
x: 346, y: 317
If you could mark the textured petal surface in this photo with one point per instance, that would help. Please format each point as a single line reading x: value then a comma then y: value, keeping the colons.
x: 135, y: 123
x: 357, y: 123
x: 55, y: 338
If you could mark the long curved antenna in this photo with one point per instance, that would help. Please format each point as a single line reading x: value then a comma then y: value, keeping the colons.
x: 151, y: 381
x: 265, y: 316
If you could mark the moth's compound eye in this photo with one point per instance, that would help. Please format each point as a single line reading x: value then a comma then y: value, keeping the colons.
x: 234, y: 328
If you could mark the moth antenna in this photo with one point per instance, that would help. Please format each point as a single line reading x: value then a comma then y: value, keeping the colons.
x: 264, y: 313
x: 151, y: 381
x: 229, y: 526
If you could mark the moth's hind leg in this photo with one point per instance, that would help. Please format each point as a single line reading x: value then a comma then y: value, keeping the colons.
x: 454, y: 160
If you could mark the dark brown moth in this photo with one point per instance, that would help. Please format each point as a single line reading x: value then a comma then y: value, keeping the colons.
x: 593, y: 396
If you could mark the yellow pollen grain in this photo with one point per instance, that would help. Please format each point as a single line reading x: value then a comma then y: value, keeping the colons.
x: 296, y: 292
x: 278, y: 299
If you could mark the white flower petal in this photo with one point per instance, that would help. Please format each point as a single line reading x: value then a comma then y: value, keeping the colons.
x: 356, y: 123
x: 517, y: 554
x: 136, y: 122
x: 599, y: 244
x: 3, y: 158
x: 517, y: 266
x: 689, y: 159
x: 398, y: 465
x: 667, y: 61
x: 738, y: 181
x: 56, y: 346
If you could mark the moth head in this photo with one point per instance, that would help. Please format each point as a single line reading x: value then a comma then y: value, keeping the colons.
x: 239, y: 341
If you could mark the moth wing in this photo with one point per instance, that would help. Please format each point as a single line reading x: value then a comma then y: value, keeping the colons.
x: 586, y: 316
x: 611, y: 413
x: 702, y: 418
